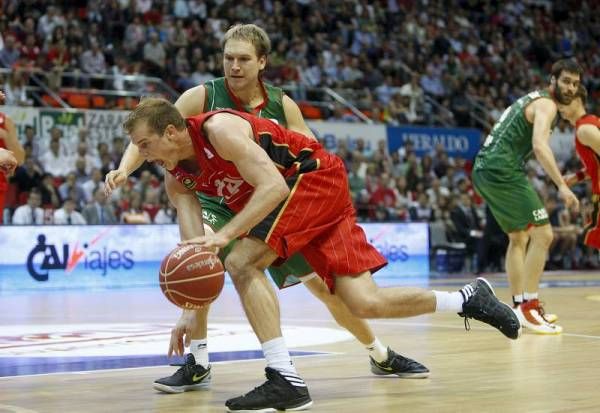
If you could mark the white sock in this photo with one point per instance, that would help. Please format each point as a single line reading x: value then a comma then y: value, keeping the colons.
x: 445, y: 301
x: 278, y: 356
x: 530, y: 296
x: 377, y: 350
x: 517, y: 299
x: 200, y: 351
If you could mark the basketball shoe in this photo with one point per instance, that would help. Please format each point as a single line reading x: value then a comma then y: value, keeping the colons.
x: 189, y: 376
x: 531, y: 315
x: 482, y: 304
x: 282, y: 391
x: 400, y: 366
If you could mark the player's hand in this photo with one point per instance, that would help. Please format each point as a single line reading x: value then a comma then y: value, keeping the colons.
x: 113, y: 180
x: 181, y: 333
x: 568, y: 197
x: 8, y: 162
x: 570, y: 179
x: 209, y: 241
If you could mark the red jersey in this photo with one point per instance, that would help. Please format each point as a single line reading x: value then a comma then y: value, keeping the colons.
x: 591, y: 160
x: 3, y: 181
x: 291, y: 152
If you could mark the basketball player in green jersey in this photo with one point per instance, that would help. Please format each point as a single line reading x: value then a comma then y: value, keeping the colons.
x: 245, y: 50
x: 499, y: 177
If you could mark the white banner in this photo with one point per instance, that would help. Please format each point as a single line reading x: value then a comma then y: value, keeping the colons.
x: 96, y: 256
x: 333, y: 132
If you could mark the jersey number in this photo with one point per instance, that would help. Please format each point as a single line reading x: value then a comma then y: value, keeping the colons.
x: 228, y: 187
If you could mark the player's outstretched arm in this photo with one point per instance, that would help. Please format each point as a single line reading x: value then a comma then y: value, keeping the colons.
x: 189, y: 217
x: 544, y: 112
x: 131, y: 160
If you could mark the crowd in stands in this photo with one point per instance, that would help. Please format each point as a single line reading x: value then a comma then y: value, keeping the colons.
x: 404, y: 61
x: 409, y: 62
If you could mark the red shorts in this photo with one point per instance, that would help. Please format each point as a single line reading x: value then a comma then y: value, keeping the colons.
x: 319, y: 220
x: 591, y: 232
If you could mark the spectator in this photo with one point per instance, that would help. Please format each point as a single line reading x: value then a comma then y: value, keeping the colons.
x: 9, y: 52
x: 93, y: 63
x: 421, y: 210
x: 99, y: 212
x: 67, y: 215
x: 49, y: 193
x: 466, y: 223
x: 90, y: 186
x: 32, y: 140
x: 135, y: 214
x: 71, y: 189
x: 155, y: 56
x: 55, y: 161
x: 30, y: 213
x: 14, y: 89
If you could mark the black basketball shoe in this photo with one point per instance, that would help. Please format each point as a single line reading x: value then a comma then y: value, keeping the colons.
x: 188, y: 377
x: 282, y: 391
x: 400, y: 366
x: 482, y: 304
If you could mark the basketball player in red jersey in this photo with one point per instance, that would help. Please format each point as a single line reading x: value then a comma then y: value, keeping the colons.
x: 270, y: 176
x: 8, y: 140
x: 245, y: 55
x: 587, y: 145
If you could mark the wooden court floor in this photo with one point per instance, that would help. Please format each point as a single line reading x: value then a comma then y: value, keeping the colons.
x: 474, y: 371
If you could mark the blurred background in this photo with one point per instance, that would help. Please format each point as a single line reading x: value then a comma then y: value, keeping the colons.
x: 402, y: 90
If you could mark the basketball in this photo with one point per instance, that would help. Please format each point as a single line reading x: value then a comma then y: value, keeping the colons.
x: 191, y: 276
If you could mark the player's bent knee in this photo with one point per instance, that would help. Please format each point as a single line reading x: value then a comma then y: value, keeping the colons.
x: 542, y: 235
x: 518, y: 239
x: 236, y: 264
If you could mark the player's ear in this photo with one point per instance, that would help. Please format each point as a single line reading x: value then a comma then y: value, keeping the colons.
x: 170, y: 131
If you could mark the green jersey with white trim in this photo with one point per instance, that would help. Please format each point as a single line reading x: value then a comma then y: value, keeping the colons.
x: 509, y: 145
x: 218, y: 96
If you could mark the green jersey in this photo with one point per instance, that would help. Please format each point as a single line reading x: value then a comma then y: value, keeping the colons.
x: 509, y: 145
x: 218, y: 96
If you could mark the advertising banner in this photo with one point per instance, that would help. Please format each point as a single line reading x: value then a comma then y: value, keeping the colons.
x: 59, y: 257
x: 104, y: 125
x: 22, y: 117
x: 122, y: 256
x: 334, y: 132
x: 458, y: 142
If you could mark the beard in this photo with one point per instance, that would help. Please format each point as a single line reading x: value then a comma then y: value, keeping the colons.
x: 562, y: 98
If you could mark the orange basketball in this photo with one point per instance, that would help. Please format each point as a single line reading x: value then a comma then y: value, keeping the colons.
x: 191, y: 276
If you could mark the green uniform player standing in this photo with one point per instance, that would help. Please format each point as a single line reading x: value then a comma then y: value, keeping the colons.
x: 499, y: 176
x: 499, y: 170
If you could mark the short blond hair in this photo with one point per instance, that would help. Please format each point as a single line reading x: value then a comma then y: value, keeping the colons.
x: 252, y: 34
x: 158, y: 113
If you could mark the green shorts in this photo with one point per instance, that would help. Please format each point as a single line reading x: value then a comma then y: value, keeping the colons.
x: 216, y: 214
x: 511, y: 198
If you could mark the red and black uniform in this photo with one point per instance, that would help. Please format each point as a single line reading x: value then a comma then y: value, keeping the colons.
x: 3, y: 180
x: 317, y: 218
x: 591, y: 162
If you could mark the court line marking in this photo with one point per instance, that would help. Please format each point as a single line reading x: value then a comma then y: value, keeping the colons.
x: 406, y: 324
x: 322, y: 354
x: 15, y: 409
